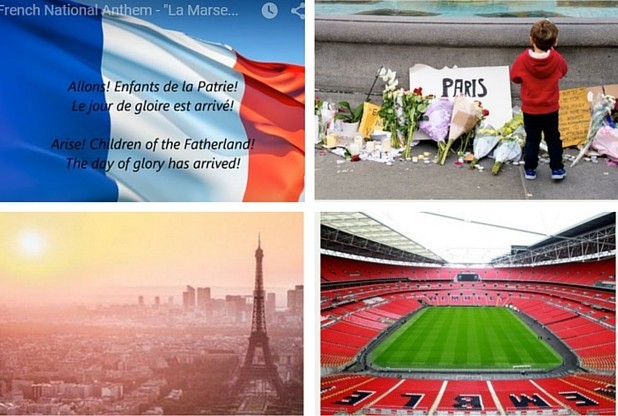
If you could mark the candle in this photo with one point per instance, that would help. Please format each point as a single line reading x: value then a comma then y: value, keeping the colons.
x: 386, y: 144
x: 331, y: 141
x: 358, y: 140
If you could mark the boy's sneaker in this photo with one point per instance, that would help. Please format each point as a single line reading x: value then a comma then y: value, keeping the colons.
x: 558, y: 173
x: 530, y: 174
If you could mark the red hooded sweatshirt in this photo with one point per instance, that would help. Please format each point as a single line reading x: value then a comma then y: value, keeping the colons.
x: 539, y: 81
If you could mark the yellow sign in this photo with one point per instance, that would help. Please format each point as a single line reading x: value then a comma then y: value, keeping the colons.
x: 371, y: 120
x: 574, y: 116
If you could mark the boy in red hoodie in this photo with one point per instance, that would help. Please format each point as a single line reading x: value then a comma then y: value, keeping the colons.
x: 538, y: 70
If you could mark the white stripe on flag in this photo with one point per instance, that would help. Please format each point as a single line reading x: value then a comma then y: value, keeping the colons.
x: 139, y: 51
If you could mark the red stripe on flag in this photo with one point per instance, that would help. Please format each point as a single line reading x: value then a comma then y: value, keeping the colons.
x: 272, y: 113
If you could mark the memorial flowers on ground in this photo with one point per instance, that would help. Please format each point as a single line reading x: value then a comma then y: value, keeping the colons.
x: 414, y: 105
x: 325, y: 114
x: 391, y: 105
x: 466, y: 115
x: 513, y: 127
x: 512, y: 136
x: 401, y: 110
x: 457, y: 125
x: 437, y: 120
x: 601, y: 116
x: 485, y: 139
x: 606, y: 142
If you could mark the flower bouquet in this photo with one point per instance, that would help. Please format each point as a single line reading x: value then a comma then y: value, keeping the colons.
x: 401, y: 110
x: 485, y: 139
x: 437, y: 120
x: 512, y: 136
x: 326, y: 112
x: 513, y: 126
x: 507, y: 149
x: 472, y: 133
x: 606, y: 142
x: 600, y: 112
x: 414, y: 105
x: 391, y: 105
x: 466, y: 114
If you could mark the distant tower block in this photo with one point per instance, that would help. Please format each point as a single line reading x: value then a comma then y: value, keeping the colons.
x: 258, y: 370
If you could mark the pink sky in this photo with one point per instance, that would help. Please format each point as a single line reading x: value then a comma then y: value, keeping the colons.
x: 72, y: 253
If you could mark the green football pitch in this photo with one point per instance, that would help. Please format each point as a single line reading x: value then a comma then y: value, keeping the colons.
x: 464, y: 338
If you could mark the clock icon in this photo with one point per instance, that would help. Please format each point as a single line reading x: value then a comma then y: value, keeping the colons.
x: 270, y: 10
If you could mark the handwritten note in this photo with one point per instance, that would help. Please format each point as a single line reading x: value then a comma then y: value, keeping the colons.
x: 574, y: 116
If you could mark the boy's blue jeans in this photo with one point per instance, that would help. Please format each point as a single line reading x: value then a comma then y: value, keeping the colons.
x: 540, y: 126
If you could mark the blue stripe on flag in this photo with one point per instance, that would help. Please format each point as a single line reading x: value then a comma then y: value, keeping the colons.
x: 41, y: 56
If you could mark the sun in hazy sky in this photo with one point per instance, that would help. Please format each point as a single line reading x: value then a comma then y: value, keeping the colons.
x: 31, y: 243
x: 69, y: 252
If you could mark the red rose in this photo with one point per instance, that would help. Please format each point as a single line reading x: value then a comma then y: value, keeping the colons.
x: 485, y: 112
x: 418, y: 91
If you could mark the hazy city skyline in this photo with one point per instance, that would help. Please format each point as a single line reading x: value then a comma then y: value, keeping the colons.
x: 44, y: 256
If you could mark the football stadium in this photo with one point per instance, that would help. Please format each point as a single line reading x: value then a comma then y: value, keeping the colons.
x: 404, y: 331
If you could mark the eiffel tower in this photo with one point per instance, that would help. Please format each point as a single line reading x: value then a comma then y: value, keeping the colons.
x: 258, y: 368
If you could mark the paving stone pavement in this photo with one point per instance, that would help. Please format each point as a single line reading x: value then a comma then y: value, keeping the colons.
x: 338, y: 179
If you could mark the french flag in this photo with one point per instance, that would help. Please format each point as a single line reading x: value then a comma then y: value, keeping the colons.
x: 244, y: 141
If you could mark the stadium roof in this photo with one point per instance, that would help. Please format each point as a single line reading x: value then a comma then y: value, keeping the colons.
x: 356, y: 233
x: 479, y: 237
x: 595, y: 223
x: 590, y: 239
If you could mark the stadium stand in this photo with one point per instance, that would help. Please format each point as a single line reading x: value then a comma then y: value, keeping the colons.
x: 573, y: 300
x: 582, y: 394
